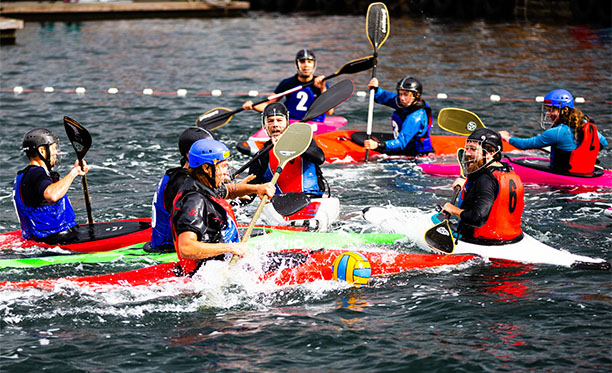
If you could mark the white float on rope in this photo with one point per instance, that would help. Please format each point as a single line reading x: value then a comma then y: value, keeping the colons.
x: 181, y: 92
x: 216, y: 92
x: 495, y: 98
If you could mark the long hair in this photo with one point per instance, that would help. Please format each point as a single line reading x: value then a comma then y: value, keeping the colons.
x: 574, y: 119
x: 203, y: 175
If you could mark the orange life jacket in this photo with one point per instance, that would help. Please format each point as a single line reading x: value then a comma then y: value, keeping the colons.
x: 504, y: 222
x: 582, y: 159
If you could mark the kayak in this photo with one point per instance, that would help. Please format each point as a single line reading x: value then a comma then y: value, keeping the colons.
x: 283, y: 268
x: 533, y: 170
x: 267, y: 238
x: 345, y: 146
x: 414, y: 224
x: 331, y: 123
x: 317, y: 216
x: 96, y: 237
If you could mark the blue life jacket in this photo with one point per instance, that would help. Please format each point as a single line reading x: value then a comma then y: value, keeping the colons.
x: 44, y: 220
x: 161, y: 233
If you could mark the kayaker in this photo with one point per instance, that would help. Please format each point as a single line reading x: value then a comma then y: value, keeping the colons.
x: 40, y: 195
x: 411, y: 119
x: 203, y: 223
x: 298, y: 102
x: 566, y: 129
x: 302, y: 174
x: 491, y: 201
x: 173, y: 179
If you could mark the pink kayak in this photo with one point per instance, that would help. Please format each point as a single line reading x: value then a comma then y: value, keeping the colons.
x: 331, y: 123
x: 533, y: 170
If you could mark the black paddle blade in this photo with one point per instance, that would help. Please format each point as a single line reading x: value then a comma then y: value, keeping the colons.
x: 215, y: 118
x: 440, y: 238
x: 79, y: 137
x: 377, y: 24
x: 289, y: 203
x: 356, y: 66
x: 329, y: 99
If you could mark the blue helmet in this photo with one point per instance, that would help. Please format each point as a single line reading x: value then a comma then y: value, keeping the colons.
x: 559, y: 98
x: 207, y: 151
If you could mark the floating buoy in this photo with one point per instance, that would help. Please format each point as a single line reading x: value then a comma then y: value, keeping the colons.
x: 147, y: 91
x: 113, y: 91
x: 216, y: 92
x: 181, y: 92
x: 442, y: 96
x: 579, y: 100
x: 361, y: 93
x: 539, y: 99
x: 253, y: 93
x: 48, y: 89
x: 495, y: 98
x: 80, y: 90
x: 18, y: 89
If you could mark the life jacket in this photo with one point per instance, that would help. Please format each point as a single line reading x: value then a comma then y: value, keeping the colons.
x: 161, y: 233
x: 44, y: 220
x: 582, y: 159
x: 504, y: 221
x: 228, y: 232
x: 422, y: 142
x: 299, y: 175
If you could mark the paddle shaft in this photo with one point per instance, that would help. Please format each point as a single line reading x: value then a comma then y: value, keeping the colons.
x: 371, y: 106
x: 86, y: 195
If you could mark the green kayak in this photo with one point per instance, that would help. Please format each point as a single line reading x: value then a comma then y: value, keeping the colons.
x: 269, y: 239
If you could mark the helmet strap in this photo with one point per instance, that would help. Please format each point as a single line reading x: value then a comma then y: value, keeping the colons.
x: 46, y: 160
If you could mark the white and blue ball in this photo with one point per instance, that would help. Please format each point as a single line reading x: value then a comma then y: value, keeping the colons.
x: 353, y: 268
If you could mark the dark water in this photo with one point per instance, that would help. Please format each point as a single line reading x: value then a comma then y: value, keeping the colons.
x: 476, y: 317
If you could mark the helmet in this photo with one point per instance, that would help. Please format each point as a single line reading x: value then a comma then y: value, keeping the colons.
x: 272, y: 110
x: 38, y: 137
x: 207, y: 151
x: 559, y: 98
x: 411, y: 84
x: 304, y: 54
x: 191, y: 135
x: 487, y: 139
x: 486, y: 136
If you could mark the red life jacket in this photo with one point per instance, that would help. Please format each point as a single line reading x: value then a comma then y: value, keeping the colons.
x: 504, y: 222
x: 290, y: 179
x: 582, y: 159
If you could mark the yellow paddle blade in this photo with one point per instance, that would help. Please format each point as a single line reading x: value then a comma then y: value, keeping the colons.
x: 459, y: 121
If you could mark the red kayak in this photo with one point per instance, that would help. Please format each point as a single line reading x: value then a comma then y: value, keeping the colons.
x: 534, y: 170
x: 96, y: 237
x: 345, y: 146
x: 288, y: 267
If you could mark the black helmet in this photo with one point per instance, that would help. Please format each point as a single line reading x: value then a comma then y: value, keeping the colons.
x: 37, y: 137
x: 274, y: 109
x: 191, y: 135
x: 410, y: 84
x: 486, y: 137
x: 305, y: 54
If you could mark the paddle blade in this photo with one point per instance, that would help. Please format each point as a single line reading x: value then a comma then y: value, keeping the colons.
x: 292, y: 143
x: 215, y: 118
x: 377, y: 24
x: 356, y: 66
x: 289, y: 203
x: 460, y: 153
x: 334, y: 96
x: 79, y: 137
x: 459, y: 121
x: 440, y: 238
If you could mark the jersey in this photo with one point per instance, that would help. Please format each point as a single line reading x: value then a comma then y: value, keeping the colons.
x: 299, y: 102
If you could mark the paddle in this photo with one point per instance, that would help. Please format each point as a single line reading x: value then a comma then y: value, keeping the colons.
x: 377, y: 29
x: 459, y: 121
x: 218, y: 117
x: 331, y: 98
x: 440, y: 236
x: 288, y: 204
x: 81, y: 142
x: 292, y: 143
